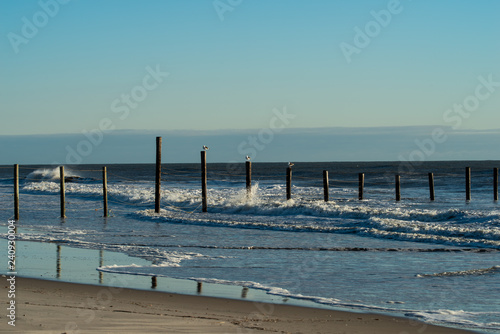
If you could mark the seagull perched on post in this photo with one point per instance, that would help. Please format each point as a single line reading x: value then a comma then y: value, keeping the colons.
x: 247, y: 158
x: 290, y: 164
x: 205, y: 147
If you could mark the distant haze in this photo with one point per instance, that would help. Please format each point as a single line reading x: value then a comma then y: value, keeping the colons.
x: 312, y: 144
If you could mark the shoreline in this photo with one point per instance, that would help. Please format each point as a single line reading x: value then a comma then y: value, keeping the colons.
x: 62, y: 265
x: 46, y: 306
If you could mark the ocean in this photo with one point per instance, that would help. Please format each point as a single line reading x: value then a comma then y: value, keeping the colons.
x: 436, y: 261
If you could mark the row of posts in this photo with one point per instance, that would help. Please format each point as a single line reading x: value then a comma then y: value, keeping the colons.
x: 361, y: 180
x: 62, y: 192
x: 326, y: 190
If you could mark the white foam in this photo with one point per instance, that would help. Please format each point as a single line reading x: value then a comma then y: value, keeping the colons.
x: 267, y: 208
x: 454, y: 317
x: 49, y: 174
x: 476, y: 272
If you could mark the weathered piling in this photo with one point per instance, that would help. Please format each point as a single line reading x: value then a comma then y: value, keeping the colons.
x: 467, y: 184
x: 101, y: 263
x: 326, y: 188
x: 361, y: 180
x: 289, y: 183
x: 158, y: 175
x: 244, y: 292
x: 105, y: 190
x: 61, y: 184
x: 431, y: 186
x: 398, y: 188
x: 495, y: 184
x: 199, y: 287
x: 58, y: 261
x: 16, y: 192
x: 248, y: 165
x: 153, y: 282
x: 204, y: 180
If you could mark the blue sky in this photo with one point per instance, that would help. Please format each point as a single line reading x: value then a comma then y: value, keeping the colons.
x: 73, y: 67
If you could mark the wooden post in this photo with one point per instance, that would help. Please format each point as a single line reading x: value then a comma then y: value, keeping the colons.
x: 16, y: 192
x: 61, y: 183
x: 105, y: 190
x: 289, y: 183
x: 158, y: 175
x: 467, y: 183
x: 58, y: 261
x: 326, y: 189
x: 204, y: 180
x: 361, y: 178
x: 398, y: 188
x: 248, y: 165
x: 101, y: 263
x: 153, y: 282
x: 431, y: 186
x: 495, y: 184
x: 199, y: 287
x: 244, y: 292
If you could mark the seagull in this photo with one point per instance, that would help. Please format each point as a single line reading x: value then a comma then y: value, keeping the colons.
x: 205, y: 147
x: 247, y: 158
x: 290, y: 164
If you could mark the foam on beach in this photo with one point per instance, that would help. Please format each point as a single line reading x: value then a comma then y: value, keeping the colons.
x: 266, y: 209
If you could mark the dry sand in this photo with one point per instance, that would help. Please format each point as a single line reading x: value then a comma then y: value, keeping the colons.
x: 56, y: 307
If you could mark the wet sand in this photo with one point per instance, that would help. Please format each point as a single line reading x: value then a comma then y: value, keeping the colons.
x: 44, y: 306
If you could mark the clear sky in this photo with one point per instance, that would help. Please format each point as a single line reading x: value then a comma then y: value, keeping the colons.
x: 69, y: 67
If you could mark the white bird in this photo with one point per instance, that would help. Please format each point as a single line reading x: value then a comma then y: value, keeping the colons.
x: 247, y: 158
x: 205, y: 148
x: 290, y: 164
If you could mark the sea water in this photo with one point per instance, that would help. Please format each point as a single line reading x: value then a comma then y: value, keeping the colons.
x: 436, y: 261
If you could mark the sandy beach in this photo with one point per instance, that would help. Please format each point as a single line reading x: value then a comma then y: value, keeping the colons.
x: 44, y: 306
